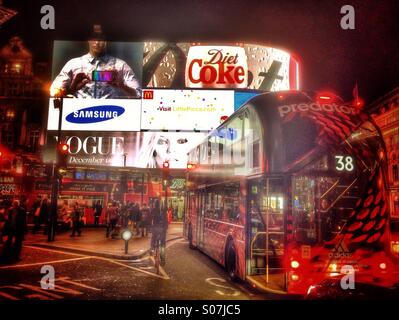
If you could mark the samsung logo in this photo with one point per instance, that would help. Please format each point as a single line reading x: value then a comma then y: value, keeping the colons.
x: 95, y: 114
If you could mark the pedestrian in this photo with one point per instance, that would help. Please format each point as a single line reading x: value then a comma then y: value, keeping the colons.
x: 77, y: 215
x: 175, y: 214
x: 137, y: 218
x: 44, y: 215
x: 98, y: 209
x: 170, y: 214
x: 112, y: 218
x: 132, y: 216
x: 65, y: 220
x: 158, y: 229
x: 36, y: 214
x: 145, y: 220
x: 15, y: 230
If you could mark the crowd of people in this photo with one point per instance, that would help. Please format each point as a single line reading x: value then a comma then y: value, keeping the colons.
x: 130, y: 215
x: 141, y: 220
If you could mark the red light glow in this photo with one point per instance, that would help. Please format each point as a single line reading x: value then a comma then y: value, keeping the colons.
x: 166, y: 164
x: 64, y: 147
x: 325, y: 97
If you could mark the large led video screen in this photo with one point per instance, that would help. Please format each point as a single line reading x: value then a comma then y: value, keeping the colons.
x: 121, y: 89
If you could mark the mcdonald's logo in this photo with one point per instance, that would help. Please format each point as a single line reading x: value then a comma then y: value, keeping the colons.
x: 148, y: 94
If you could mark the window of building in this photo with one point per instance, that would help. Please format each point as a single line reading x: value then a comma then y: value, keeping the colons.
x: 395, y: 172
x: 7, y: 135
x: 34, y: 136
x: 10, y: 115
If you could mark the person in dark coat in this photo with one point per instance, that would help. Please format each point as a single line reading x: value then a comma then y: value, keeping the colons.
x: 112, y: 219
x: 45, y: 214
x: 98, y: 209
x: 159, y: 227
x: 77, y: 215
x: 15, y: 230
x: 36, y: 214
x: 136, y: 218
x: 145, y: 220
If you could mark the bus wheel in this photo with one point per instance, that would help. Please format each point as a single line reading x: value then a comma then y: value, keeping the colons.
x: 190, y: 237
x: 231, y: 259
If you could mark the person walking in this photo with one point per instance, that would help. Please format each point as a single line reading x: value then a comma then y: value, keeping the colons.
x: 137, y: 218
x: 36, y: 214
x: 15, y: 229
x: 112, y: 218
x: 159, y: 228
x: 98, y: 209
x: 64, y: 219
x: 145, y: 220
x: 44, y: 215
x: 124, y: 215
x: 77, y: 215
x: 170, y: 214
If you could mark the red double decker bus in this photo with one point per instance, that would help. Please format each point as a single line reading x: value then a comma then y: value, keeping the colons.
x: 290, y: 191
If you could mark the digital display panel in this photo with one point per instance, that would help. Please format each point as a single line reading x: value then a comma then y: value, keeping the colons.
x: 130, y: 149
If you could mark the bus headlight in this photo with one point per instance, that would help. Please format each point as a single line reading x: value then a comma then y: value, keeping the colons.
x: 395, y: 247
x: 332, y: 267
x: 294, y: 277
x: 294, y: 264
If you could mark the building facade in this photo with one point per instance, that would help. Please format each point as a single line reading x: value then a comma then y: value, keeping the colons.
x: 385, y: 112
x: 22, y: 119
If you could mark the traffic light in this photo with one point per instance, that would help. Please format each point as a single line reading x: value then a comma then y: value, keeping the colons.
x: 165, y: 172
x: 130, y: 186
x: 165, y: 165
x: 190, y: 166
x: 62, y: 155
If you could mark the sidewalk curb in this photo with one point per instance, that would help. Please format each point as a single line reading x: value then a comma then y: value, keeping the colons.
x: 98, y: 254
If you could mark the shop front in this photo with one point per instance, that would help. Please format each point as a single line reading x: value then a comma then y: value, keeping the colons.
x: 86, y: 187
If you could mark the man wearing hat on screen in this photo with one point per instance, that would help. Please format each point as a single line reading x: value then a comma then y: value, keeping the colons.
x: 96, y: 74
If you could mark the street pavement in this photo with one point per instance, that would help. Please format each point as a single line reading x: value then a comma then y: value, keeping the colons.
x: 188, y: 274
x: 93, y: 242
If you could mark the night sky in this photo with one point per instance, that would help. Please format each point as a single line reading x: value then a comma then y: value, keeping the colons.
x: 332, y: 58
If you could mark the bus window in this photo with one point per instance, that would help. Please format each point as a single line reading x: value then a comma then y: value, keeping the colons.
x: 231, y: 201
x: 253, y: 129
x: 304, y: 209
x: 213, y: 203
x: 326, y: 190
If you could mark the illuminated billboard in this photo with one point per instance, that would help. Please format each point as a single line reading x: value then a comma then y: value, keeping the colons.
x: 203, y: 65
x: 185, y: 109
x: 97, y: 69
x: 122, y: 100
x: 113, y: 70
x: 130, y: 149
x: 99, y: 114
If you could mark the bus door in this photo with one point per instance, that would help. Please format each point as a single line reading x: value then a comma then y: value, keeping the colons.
x: 200, y: 217
x: 267, y: 202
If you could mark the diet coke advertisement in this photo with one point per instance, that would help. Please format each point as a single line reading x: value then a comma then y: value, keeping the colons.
x: 216, y: 67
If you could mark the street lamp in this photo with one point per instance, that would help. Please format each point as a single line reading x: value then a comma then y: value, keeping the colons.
x: 165, y: 180
x: 58, y: 95
x: 126, y: 235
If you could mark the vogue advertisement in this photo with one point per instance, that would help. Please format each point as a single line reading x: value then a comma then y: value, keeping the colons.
x: 126, y: 149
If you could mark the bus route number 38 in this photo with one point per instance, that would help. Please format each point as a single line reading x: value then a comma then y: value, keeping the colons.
x: 344, y: 163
